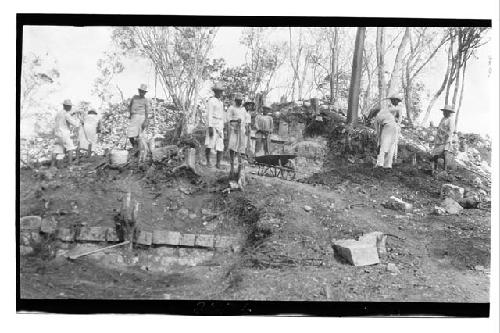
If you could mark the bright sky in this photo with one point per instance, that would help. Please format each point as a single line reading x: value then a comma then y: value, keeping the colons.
x: 77, y: 50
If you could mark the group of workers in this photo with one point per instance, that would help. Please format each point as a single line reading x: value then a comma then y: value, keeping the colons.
x: 245, y: 135
x: 237, y: 124
x: 387, y: 125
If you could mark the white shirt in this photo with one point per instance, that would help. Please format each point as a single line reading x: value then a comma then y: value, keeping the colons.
x: 215, y: 113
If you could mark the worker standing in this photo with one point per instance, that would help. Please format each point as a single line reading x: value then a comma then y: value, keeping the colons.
x: 443, y: 142
x: 214, y: 137
x: 250, y: 109
x: 237, y: 129
x: 87, y: 134
x: 386, y: 125
x: 138, y: 114
x: 264, y: 128
x: 63, y: 142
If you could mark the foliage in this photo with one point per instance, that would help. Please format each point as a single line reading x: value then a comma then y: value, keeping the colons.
x: 180, y: 57
x: 108, y: 67
x: 263, y: 59
x: 39, y: 78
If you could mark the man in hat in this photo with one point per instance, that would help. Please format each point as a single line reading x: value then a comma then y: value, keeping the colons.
x: 64, y: 118
x: 387, y: 128
x: 138, y: 114
x: 443, y: 142
x: 87, y: 134
x: 214, y: 138
x: 264, y: 127
x: 237, y: 130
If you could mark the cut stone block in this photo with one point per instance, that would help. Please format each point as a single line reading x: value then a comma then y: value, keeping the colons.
x: 111, y: 235
x: 92, y: 234
x: 165, y: 237
x: 28, y: 238
x: 30, y: 222
x: 25, y: 250
x: 222, y: 242
x: 205, y: 240
x: 187, y: 240
x: 452, y: 191
x: 65, y: 234
x: 376, y: 239
x: 357, y: 253
x: 144, y: 237
x: 48, y: 226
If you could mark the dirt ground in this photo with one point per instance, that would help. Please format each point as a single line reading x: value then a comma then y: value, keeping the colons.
x: 288, y: 253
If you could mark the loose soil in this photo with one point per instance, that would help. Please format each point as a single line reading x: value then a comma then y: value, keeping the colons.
x: 288, y: 253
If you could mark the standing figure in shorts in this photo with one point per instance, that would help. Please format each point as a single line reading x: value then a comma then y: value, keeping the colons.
x: 138, y: 114
x: 63, y: 142
x: 214, y: 137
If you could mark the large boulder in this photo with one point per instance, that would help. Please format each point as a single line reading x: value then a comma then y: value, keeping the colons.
x: 452, y: 191
x: 451, y: 206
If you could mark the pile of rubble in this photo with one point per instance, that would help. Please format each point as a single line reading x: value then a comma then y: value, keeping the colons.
x: 113, y: 134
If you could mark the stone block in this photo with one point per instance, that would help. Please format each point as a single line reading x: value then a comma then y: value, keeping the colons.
x: 165, y: 237
x: 451, y: 206
x: 30, y: 222
x: 111, y: 235
x: 143, y: 237
x: 398, y: 204
x: 165, y: 251
x: 452, y: 191
x: 65, y: 234
x: 187, y: 240
x: 28, y: 238
x: 376, y: 239
x: 92, y: 234
x: 357, y: 253
x: 222, y: 242
x: 25, y: 250
x: 204, y: 240
x: 48, y: 226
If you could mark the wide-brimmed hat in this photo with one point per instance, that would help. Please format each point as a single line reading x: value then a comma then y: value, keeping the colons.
x: 218, y: 86
x: 67, y: 102
x: 448, y: 108
x: 143, y: 87
x: 395, y: 96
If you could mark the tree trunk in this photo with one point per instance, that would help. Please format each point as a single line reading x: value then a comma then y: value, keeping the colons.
x: 380, y: 65
x: 357, y: 63
x: 450, y: 77
x: 398, y: 64
x: 408, y: 90
x: 457, y: 81
x: 333, y: 66
x: 461, y: 94
x: 443, y: 85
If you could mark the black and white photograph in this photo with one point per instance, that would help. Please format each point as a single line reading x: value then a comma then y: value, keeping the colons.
x: 291, y: 161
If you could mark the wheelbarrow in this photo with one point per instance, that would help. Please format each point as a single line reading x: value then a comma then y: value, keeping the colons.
x: 276, y: 166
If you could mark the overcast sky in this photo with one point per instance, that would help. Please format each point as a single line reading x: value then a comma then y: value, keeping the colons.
x: 77, y: 50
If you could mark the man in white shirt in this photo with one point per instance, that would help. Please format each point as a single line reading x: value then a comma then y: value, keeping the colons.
x: 214, y: 138
x: 237, y: 127
x: 63, y: 142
